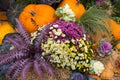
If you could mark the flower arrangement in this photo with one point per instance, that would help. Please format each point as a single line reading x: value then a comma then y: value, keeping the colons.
x: 65, y: 44
x: 68, y: 46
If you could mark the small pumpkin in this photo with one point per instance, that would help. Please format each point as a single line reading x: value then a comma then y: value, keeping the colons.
x: 35, y: 15
x: 77, y: 7
x: 118, y: 46
x: 3, y: 15
x: 108, y: 72
x: 114, y: 27
x: 5, y: 28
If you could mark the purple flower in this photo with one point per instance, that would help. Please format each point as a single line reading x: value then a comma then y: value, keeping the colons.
x: 99, y: 2
x: 70, y: 29
x: 104, y: 48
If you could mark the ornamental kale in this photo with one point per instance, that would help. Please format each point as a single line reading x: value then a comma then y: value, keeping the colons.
x: 104, y: 48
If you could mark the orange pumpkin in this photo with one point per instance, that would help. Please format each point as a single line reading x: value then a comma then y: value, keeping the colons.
x: 114, y: 28
x: 77, y: 7
x: 5, y: 28
x: 108, y: 72
x: 118, y: 46
x: 35, y: 15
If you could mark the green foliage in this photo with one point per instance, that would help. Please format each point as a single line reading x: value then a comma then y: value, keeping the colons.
x: 116, y: 11
x: 92, y: 21
x: 105, y: 5
x: 88, y: 3
x: 117, y: 19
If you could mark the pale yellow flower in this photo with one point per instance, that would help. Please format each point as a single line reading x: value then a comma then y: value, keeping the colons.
x: 51, y: 28
x: 73, y: 48
x: 73, y: 67
x: 63, y: 35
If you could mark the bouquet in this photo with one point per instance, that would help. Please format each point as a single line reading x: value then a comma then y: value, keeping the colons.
x: 68, y: 46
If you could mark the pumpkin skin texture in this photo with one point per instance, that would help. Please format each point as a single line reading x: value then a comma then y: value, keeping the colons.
x: 34, y: 16
x: 114, y: 28
x: 108, y: 72
x: 5, y: 28
x: 118, y: 46
x: 77, y: 7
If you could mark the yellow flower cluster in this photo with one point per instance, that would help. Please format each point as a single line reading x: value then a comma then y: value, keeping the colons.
x: 66, y: 55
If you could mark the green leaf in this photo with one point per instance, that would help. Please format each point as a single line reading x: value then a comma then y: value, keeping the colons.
x: 92, y: 21
x: 88, y: 3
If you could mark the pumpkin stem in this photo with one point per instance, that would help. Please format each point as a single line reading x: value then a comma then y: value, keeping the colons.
x: 32, y: 13
x: 78, y: 2
x: 0, y: 22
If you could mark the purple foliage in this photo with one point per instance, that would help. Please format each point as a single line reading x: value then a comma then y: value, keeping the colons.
x: 11, y: 69
x: 13, y: 42
x: 47, y: 67
x: 25, y: 55
x: 37, y: 69
x: 13, y: 54
x: 22, y: 31
x: 26, y: 69
x: 15, y: 70
x: 19, y: 68
x: 40, y: 37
